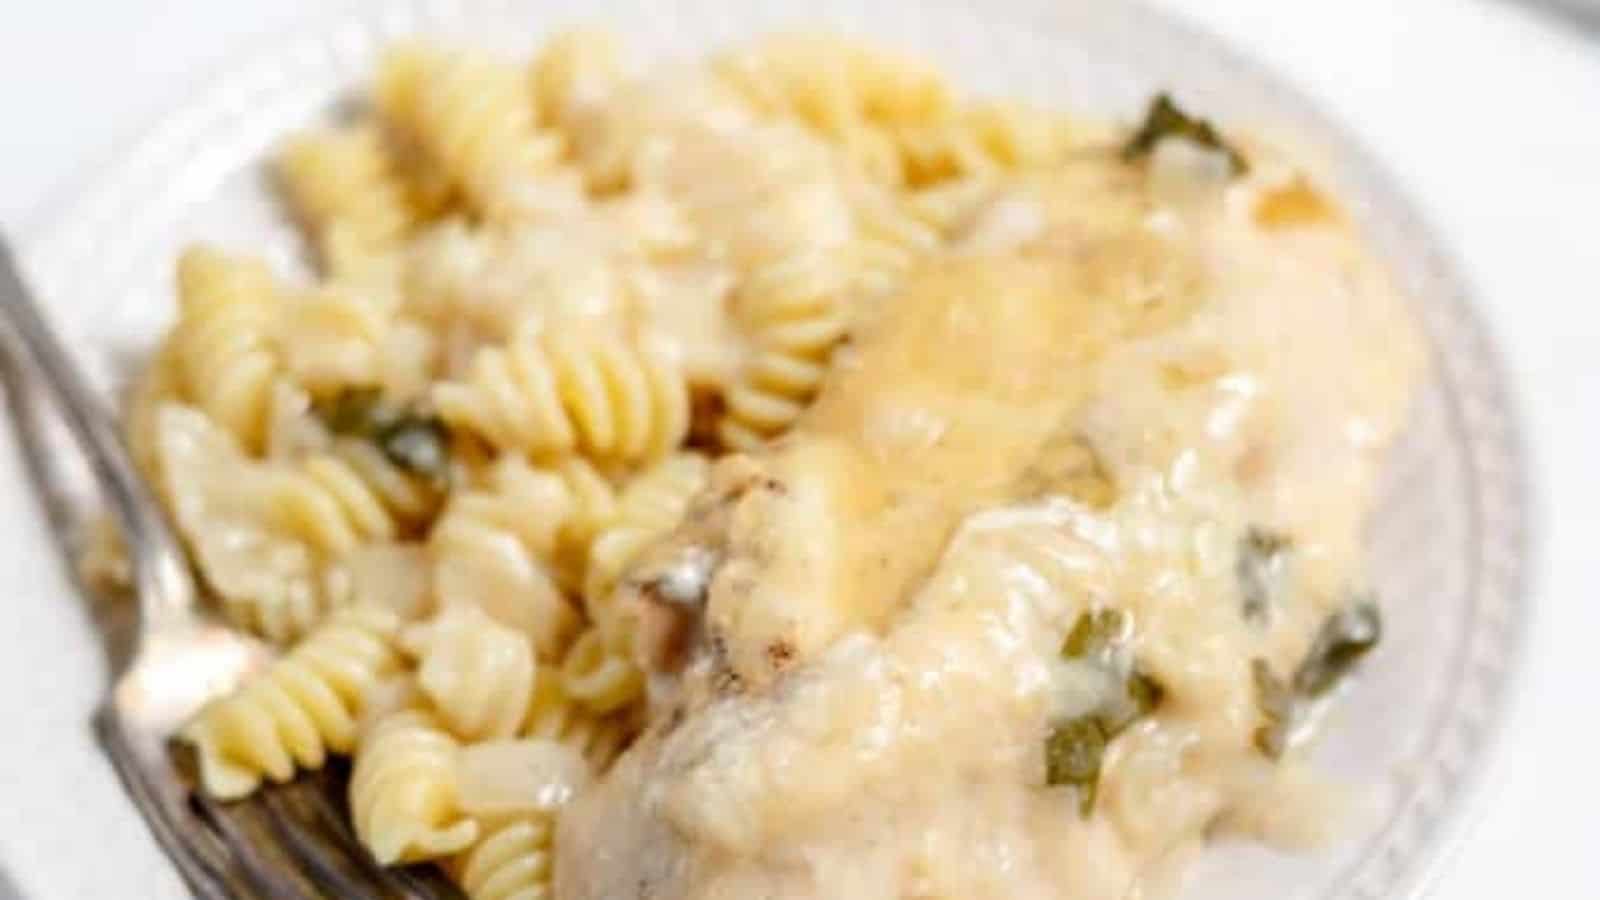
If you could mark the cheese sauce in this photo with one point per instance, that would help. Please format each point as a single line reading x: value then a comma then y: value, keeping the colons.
x: 1142, y: 388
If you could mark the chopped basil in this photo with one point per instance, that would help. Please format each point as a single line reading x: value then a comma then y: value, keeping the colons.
x: 1165, y: 119
x: 1344, y: 639
x: 1259, y: 569
x: 352, y: 410
x: 414, y: 441
x: 1075, y: 746
x: 1095, y: 634
x: 1073, y: 754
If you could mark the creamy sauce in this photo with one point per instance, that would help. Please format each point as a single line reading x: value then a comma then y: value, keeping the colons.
x: 880, y: 658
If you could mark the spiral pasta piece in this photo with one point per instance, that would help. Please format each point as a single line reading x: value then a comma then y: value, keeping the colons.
x: 348, y: 496
x: 478, y: 673
x: 950, y: 206
x: 475, y: 118
x: 347, y: 188
x: 575, y: 67
x: 651, y: 505
x: 555, y: 715
x: 403, y: 794
x: 303, y: 706
x: 982, y: 141
x: 335, y: 335
x: 503, y: 546
x: 794, y: 312
x: 832, y: 83
x: 599, y: 675
x: 851, y: 94
x: 513, y: 861
x: 551, y: 395
x: 224, y: 343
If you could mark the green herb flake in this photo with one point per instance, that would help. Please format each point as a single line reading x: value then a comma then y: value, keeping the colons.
x: 418, y: 444
x: 1095, y: 635
x: 1074, y: 748
x: 1165, y: 119
x: 1259, y: 568
x: 1344, y: 639
x: 352, y: 411
x: 1073, y: 754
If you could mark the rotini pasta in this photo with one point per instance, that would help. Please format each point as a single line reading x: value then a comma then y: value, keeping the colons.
x: 335, y: 335
x: 348, y: 189
x: 302, y: 707
x: 599, y: 675
x: 577, y: 67
x: 475, y: 118
x: 558, y: 393
x: 853, y: 95
x: 403, y: 795
x: 651, y: 505
x: 554, y: 715
x: 478, y: 673
x: 224, y: 344
x: 327, y: 503
x: 795, y: 312
x: 266, y: 580
x: 513, y: 861
x: 982, y: 140
x: 504, y: 547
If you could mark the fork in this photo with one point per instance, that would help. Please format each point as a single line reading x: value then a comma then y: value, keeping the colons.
x: 289, y: 841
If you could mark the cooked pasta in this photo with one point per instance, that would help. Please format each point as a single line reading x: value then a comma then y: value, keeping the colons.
x: 347, y: 188
x: 672, y: 471
x: 982, y: 140
x: 265, y: 580
x: 555, y: 715
x: 651, y: 505
x: 224, y: 344
x: 475, y: 118
x: 513, y: 861
x: 576, y: 67
x: 599, y: 675
x: 478, y: 673
x: 403, y: 794
x: 795, y: 311
x: 558, y: 393
x: 300, y: 709
x: 335, y: 335
x: 328, y: 504
x: 851, y: 93
x: 504, y: 546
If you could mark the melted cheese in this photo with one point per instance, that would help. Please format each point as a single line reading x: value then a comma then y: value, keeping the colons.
x: 923, y: 544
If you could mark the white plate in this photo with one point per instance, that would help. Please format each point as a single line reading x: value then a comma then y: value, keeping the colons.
x: 1447, y: 545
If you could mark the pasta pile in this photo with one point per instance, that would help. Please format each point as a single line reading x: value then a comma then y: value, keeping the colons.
x: 548, y: 296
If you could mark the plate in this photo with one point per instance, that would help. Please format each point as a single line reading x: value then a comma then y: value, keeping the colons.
x: 1447, y: 544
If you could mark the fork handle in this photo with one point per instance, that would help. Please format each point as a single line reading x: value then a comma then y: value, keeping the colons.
x: 165, y: 588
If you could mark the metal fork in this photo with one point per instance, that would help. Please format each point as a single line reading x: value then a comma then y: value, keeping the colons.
x: 289, y: 841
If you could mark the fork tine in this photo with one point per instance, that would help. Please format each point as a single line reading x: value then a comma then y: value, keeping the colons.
x: 319, y: 844
x: 244, y: 828
x: 203, y: 860
x: 331, y: 812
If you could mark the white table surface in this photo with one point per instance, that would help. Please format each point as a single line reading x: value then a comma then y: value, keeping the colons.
x: 1490, y: 114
